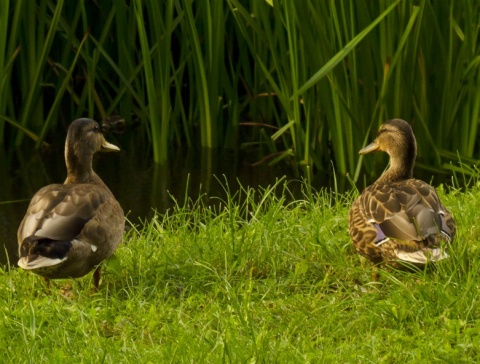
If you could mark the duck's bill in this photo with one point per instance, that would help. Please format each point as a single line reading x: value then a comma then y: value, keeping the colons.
x: 369, y: 148
x: 108, y: 147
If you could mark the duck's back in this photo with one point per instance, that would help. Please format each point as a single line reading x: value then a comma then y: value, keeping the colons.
x: 400, y: 221
x: 68, y: 229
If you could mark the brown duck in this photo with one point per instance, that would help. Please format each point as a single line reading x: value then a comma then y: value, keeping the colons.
x: 70, y: 228
x: 399, y: 220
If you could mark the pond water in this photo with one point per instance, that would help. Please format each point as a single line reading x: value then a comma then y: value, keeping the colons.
x: 140, y: 185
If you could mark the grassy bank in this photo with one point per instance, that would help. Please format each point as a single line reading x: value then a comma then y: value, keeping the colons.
x: 264, y: 280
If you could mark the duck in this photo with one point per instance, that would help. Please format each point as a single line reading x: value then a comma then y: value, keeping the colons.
x: 69, y: 229
x: 399, y: 221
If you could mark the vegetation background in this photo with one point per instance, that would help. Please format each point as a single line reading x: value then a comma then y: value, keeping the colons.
x: 301, y: 82
x: 259, y: 276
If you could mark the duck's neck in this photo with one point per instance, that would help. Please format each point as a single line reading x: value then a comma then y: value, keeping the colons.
x: 79, y: 166
x: 401, y: 168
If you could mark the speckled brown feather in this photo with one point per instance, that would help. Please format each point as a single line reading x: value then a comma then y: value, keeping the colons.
x: 379, y: 203
x: 398, y: 216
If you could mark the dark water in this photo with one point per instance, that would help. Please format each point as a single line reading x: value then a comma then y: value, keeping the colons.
x: 140, y: 185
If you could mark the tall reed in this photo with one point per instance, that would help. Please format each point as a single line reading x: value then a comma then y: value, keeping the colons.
x: 298, y: 70
x: 306, y: 83
x: 158, y: 83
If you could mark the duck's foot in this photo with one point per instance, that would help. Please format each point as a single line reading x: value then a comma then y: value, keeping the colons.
x: 67, y: 290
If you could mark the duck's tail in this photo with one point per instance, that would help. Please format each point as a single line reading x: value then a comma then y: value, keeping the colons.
x: 423, y: 256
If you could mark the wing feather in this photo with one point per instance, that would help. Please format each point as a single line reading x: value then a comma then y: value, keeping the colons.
x: 59, y: 212
x: 411, y: 213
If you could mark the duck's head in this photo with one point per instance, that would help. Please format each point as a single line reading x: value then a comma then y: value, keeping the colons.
x: 395, y: 137
x: 84, y: 139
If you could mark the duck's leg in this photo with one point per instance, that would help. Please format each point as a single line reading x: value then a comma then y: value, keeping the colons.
x: 364, y: 263
x: 374, y: 273
x: 96, y: 277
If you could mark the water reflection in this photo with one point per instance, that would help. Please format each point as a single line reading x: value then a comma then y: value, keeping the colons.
x: 140, y: 185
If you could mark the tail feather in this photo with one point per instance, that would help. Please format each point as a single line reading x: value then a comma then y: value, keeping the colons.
x: 39, y: 262
x: 422, y: 256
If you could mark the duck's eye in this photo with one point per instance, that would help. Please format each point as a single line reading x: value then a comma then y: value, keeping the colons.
x: 96, y: 129
x: 384, y: 130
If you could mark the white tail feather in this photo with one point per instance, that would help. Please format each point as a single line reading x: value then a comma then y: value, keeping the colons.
x: 40, y: 262
x: 421, y: 256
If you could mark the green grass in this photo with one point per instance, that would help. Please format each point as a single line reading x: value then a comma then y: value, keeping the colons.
x: 257, y: 278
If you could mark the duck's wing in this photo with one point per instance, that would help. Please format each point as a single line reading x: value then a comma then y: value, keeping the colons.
x: 56, y: 216
x: 413, y: 212
x: 59, y: 212
x: 409, y: 213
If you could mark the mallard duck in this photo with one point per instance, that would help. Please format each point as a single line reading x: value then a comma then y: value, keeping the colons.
x: 399, y: 220
x: 70, y: 228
